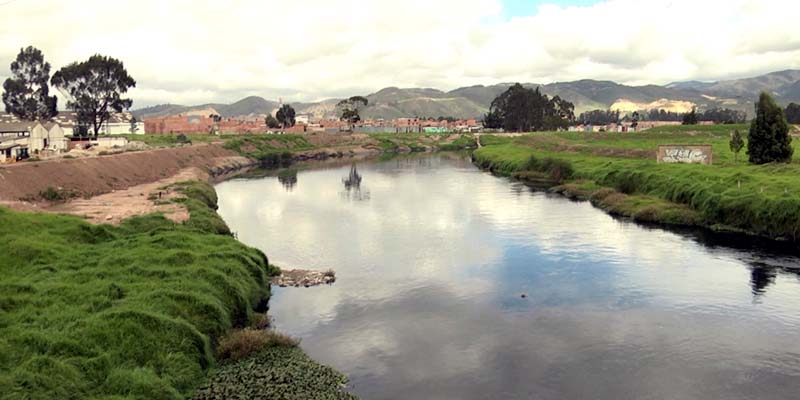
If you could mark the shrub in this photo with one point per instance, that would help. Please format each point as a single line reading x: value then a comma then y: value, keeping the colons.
x: 559, y: 170
x: 53, y: 194
x: 241, y: 344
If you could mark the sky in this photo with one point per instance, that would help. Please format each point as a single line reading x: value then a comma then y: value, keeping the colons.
x: 201, y: 51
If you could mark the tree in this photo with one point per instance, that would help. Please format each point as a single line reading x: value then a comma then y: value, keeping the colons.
x: 134, y: 127
x: 769, y: 140
x: 26, y: 92
x: 285, y: 116
x: 559, y: 113
x: 793, y: 113
x: 271, y: 122
x: 95, y: 88
x: 492, y: 120
x: 690, y: 118
x: 350, y: 109
x: 736, y: 144
x: 520, y: 109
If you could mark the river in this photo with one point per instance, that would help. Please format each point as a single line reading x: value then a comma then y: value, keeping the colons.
x: 455, y: 284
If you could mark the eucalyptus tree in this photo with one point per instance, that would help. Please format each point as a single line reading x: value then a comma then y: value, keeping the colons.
x: 26, y: 94
x: 94, y: 89
x: 285, y: 116
x: 350, y: 109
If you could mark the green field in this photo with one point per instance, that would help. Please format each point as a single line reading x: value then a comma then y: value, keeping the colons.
x: 763, y: 199
x: 128, y: 312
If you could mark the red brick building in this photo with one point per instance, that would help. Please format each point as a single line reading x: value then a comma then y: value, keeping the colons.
x: 198, y: 124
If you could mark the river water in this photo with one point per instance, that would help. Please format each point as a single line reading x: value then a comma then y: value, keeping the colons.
x: 433, y: 257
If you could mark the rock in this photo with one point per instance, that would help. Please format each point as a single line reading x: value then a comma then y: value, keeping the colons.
x: 109, y: 218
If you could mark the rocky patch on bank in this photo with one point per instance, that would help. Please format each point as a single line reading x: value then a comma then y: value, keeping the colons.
x: 304, y: 278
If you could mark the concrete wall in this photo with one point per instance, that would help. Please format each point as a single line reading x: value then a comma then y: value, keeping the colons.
x: 685, y: 154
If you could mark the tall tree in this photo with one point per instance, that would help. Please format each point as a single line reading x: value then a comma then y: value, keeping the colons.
x: 736, y: 144
x: 350, y: 109
x: 95, y: 88
x: 690, y: 118
x: 285, y: 116
x: 26, y: 92
x: 793, y: 113
x: 769, y: 140
x: 635, y: 119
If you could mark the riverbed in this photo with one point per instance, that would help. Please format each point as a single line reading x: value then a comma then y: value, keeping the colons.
x: 455, y: 284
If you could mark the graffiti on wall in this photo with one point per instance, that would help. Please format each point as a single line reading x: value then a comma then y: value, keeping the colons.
x: 686, y: 154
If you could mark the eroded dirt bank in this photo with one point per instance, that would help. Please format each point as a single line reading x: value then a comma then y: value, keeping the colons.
x: 86, y: 177
x: 108, y: 189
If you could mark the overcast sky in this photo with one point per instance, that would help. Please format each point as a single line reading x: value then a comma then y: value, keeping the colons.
x: 195, y: 51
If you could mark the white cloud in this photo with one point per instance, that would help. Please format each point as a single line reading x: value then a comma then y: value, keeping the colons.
x: 202, y: 51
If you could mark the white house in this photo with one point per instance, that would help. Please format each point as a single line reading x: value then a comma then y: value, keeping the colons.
x: 117, y: 124
x: 47, y: 137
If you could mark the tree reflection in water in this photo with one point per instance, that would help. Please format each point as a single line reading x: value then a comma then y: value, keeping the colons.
x: 762, y: 275
x: 288, y: 178
x: 352, y: 186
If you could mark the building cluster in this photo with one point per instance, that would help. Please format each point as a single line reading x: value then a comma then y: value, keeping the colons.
x: 622, y: 127
x: 22, y: 139
x: 188, y: 123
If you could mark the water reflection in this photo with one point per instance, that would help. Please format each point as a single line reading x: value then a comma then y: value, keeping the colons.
x: 430, y: 271
x: 352, y: 185
x: 288, y: 178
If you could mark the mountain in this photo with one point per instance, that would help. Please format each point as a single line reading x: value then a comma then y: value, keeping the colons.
x: 474, y: 101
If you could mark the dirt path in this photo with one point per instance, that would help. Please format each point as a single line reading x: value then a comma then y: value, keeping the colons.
x: 112, y: 208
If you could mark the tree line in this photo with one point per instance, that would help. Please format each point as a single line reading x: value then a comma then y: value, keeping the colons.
x: 715, y: 115
x: 93, y: 88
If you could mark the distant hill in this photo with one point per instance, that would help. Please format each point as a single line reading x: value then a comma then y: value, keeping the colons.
x: 474, y: 101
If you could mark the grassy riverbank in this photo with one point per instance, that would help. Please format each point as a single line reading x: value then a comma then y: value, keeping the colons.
x: 128, y: 312
x: 279, y: 150
x: 763, y: 200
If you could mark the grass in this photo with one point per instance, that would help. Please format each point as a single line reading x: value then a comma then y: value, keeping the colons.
x: 763, y: 200
x: 128, y: 312
x: 170, y: 140
x: 271, y: 150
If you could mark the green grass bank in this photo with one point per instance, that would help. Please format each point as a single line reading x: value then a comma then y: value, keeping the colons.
x: 757, y: 199
x: 274, y: 151
x: 129, y: 312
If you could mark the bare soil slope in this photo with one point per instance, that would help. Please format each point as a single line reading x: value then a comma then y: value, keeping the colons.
x: 88, y: 177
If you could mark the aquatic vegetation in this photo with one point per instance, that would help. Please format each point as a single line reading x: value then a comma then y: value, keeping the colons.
x: 279, y: 372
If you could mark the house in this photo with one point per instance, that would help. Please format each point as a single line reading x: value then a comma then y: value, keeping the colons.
x: 14, y: 140
x: 117, y: 124
x: 48, y: 136
x: 21, y: 139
